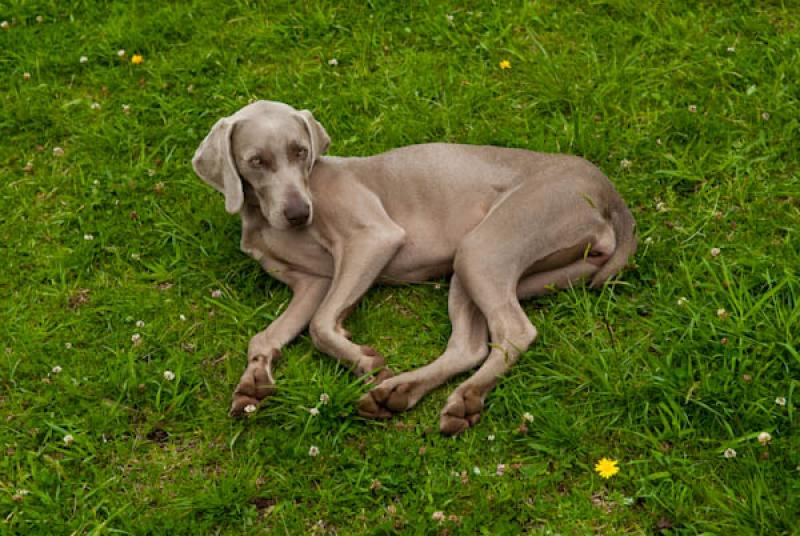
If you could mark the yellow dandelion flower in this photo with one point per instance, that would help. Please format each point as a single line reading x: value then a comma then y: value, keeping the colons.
x: 606, y: 468
x: 505, y: 64
x: 137, y: 59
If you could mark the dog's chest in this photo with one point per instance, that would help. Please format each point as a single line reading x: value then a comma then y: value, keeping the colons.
x: 291, y: 250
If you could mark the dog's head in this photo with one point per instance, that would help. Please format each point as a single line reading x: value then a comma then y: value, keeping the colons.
x: 265, y: 150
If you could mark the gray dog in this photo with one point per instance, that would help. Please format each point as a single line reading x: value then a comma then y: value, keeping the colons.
x: 507, y: 223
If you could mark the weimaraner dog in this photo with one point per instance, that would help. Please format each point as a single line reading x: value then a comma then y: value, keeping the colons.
x: 507, y: 223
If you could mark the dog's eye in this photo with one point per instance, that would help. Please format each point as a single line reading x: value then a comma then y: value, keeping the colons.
x: 302, y: 152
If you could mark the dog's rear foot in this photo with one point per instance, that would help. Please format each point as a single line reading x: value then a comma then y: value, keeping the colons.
x: 370, y: 408
x: 255, y: 384
x: 463, y: 410
x: 393, y: 396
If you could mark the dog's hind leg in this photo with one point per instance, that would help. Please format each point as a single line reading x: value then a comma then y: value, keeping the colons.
x: 554, y: 227
x: 466, y: 349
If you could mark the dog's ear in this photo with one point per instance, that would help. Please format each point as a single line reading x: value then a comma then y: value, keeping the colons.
x: 213, y: 162
x: 316, y: 133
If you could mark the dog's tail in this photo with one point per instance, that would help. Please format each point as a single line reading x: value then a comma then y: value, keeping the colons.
x: 624, y: 228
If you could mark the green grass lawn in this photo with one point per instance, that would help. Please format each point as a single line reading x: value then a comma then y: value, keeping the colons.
x: 692, y: 110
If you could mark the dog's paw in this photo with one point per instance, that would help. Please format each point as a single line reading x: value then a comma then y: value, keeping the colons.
x: 463, y: 409
x: 373, y: 366
x: 371, y: 409
x: 386, y: 399
x: 255, y: 384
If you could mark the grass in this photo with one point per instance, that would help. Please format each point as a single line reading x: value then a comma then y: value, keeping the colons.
x: 625, y: 373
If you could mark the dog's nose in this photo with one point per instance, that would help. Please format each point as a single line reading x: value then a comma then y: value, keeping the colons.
x: 296, y: 211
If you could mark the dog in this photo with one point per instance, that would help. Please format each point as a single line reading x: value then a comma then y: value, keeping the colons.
x: 506, y: 223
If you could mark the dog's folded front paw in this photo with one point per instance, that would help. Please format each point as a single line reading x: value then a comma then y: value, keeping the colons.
x: 255, y: 384
x: 373, y: 366
x: 383, y: 374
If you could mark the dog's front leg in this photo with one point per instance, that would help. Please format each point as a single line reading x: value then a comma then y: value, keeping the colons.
x: 257, y: 381
x: 358, y: 261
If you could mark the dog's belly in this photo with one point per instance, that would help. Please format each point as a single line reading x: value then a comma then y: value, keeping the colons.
x: 432, y: 239
x: 422, y: 257
x: 409, y: 267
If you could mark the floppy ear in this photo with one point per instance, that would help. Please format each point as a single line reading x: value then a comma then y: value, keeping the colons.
x: 213, y: 163
x: 316, y: 133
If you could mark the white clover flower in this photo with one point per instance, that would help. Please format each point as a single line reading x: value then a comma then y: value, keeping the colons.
x: 126, y: 109
x: 765, y: 116
x: 68, y: 439
x: 731, y: 50
x: 781, y: 401
x: 121, y: 53
x: 314, y: 412
x: 136, y: 339
x: 88, y: 236
x: 84, y: 59
x: 438, y: 516
x: 501, y: 469
x: 661, y: 207
x: 449, y: 18
x: 68, y: 345
x: 58, y: 151
x: 764, y: 438
x: 216, y: 293
x: 722, y: 313
x: 324, y: 398
x: 527, y: 417
x: 169, y: 375
x: 729, y: 453
x: 183, y: 318
x: 5, y: 25
x: 56, y: 370
x: 95, y: 106
x: 715, y: 252
x: 249, y: 408
x: 140, y: 323
x: 26, y: 75
x: 476, y: 470
x: 625, y: 163
x: 648, y: 240
x: 683, y: 300
x: 333, y: 61
x: 490, y: 437
x: 693, y: 108
x: 313, y: 451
